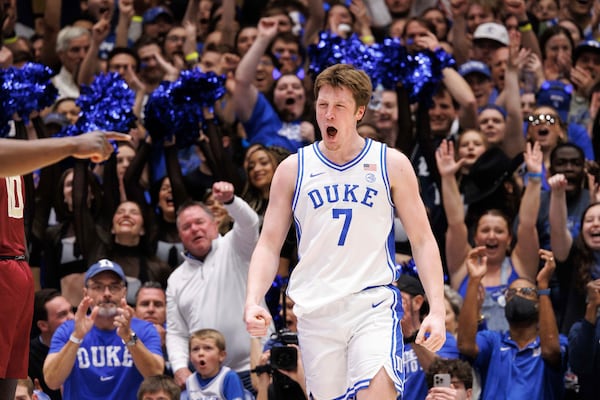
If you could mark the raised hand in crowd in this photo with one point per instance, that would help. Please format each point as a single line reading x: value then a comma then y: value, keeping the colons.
x: 447, y: 163
x: 171, y: 71
x: 126, y: 14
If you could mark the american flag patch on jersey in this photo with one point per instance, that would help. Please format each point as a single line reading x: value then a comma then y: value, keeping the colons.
x: 370, y: 167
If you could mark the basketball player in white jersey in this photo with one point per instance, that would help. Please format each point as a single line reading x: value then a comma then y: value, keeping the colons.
x: 342, y: 194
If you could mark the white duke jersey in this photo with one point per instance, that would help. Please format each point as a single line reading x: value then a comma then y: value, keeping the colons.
x: 344, y: 218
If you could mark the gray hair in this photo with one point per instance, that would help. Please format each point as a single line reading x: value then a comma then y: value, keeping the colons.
x: 69, y: 33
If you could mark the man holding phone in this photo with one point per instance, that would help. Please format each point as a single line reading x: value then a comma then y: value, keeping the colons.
x: 449, y: 379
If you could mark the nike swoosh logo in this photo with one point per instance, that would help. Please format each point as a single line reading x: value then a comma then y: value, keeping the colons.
x: 313, y: 174
x: 377, y: 304
x: 106, y: 378
x: 504, y: 348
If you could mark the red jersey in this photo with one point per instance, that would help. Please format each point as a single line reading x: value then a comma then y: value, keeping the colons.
x: 12, y: 209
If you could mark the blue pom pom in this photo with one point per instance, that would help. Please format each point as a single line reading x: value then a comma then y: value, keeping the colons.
x: 164, y: 119
x: 391, y: 63
x: 177, y: 108
x: 425, y: 72
x: 387, y: 64
x: 25, y: 90
x: 106, y: 104
x: 198, y: 87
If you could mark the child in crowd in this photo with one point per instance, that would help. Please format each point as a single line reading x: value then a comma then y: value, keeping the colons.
x: 159, y: 387
x: 212, y: 378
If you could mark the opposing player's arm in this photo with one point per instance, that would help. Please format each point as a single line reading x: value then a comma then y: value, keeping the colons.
x: 265, y: 259
x: 411, y: 211
x: 19, y: 157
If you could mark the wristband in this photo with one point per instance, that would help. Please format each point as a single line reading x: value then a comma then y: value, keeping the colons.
x: 367, y: 39
x: 193, y: 56
x: 410, y: 339
x: 525, y: 28
x: 137, y: 18
x: 75, y: 340
x: 10, y: 40
x: 534, y: 175
x: 543, y: 292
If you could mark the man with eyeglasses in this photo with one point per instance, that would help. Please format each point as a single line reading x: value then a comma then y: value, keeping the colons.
x: 527, y: 361
x: 173, y: 46
x: 106, y: 352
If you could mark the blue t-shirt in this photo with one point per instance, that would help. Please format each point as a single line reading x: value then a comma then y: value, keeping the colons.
x: 510, y: 373
x: 415, y: 384
x: 104, y: 368
x: 265, y: 127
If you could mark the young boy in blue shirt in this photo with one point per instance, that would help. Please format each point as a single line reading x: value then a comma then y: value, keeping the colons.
x: 211, y: 379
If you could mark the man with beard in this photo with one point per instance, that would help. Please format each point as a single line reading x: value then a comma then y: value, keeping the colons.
x: 107, y: 352
x: 527, y: 361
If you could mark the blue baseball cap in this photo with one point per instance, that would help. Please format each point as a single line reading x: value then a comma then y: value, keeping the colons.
x: 556, y: 94
x: 586, y: 46
x: 492, y: 106
x: 474, y: 67
x: 153, y: 13
x: 105, y: 265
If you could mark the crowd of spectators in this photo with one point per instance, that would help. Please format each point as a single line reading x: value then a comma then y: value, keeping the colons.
x: 504, y: 152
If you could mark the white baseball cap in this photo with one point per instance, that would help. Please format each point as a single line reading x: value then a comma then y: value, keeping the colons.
x: 492, y: 31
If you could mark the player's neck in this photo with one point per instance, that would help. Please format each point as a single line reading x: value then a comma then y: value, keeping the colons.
x: 346, y: 151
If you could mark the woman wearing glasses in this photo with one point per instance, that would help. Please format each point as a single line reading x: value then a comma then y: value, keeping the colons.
x: 547, y: 127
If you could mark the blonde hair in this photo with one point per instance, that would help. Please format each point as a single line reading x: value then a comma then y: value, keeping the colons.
x: 346, y: 75
x: 209, y: 334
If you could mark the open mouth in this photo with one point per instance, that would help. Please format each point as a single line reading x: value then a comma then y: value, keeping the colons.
x: 202, y: 363
x: 543, y: 132
x: 331, y: 131
x: 491, y: 246
x: 289, y: 101
x: 198, y: 239
x: 126, y: 222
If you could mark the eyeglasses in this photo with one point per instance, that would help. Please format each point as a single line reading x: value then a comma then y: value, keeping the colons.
x: 176, y: 38
x: 525, y: 291
x: 113, y: 288
x: 542, y: 118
